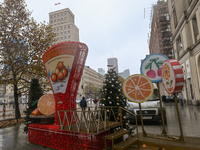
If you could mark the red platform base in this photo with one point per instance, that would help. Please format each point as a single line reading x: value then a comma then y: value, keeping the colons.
x: 49, y: 135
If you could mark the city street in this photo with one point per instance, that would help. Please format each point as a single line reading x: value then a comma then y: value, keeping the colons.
x: 14, y: 138
x: 9, y: 109
x: 190, y: 118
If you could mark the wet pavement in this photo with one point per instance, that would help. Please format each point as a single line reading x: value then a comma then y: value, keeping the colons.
x: 13, y: 138
x: 190, y: 120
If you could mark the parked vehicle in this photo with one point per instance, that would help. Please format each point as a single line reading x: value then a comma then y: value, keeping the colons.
x: 1, y: 103
x: 169, y: 99
x: 78, y: 100
x: 150, y: 109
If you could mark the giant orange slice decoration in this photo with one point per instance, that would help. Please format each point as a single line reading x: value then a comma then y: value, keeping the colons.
x: 46, y: 104
x: 138, y: 88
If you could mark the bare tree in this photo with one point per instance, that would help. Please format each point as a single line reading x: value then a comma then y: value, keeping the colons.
x: 22, y: 43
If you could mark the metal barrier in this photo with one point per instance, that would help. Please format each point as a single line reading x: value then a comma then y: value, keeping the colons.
x: 92, y: 121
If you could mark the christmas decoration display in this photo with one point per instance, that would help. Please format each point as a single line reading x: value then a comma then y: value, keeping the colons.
x: 172, y: 76
x: 152, y: 67
x: 114, y: 96
x: 46, y: 104
x: 36, y: 112
x: 34, y: 93
x: 138, y: 88
x: 173, y: 81
x: 70, y: 56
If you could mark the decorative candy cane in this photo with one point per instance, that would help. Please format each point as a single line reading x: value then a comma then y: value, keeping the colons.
x: 4, y: 110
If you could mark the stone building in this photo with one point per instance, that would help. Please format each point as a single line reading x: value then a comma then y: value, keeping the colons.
x: 185, y: 25
x: 63, y: 25
x: 90, y: 84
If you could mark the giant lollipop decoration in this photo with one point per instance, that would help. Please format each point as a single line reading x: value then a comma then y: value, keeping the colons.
x: 173, y: 81
x: 152, y: 67
x: 172, y: 76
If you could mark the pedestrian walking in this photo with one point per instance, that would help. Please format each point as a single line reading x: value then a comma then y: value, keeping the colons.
x: 95, y: 103
x: 83, y: 104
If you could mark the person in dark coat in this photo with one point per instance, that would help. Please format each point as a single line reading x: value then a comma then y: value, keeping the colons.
x: 83, y: 104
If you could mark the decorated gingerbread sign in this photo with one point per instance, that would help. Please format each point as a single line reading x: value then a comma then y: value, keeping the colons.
x: 172, y: 76
x: 151, y: 67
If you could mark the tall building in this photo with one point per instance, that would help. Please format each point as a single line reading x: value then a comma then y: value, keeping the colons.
x: 101, y: 71
x: 63, y: 25
x: 160, y: 37
x: 185, y: 26
x: 113, y: 63
x: 125, y: 74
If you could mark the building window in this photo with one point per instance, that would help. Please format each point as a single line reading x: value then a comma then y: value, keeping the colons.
x: 65, y: 37
x: 61, y: 19
x: 51, y: 21
x: 54, y: 30
x: 166, y: 43
x: 195, y: 27
x: 61, y: 14
x: 61, y: 38
x: 57, y: 29
x: 58, y: 38
x: 179, y: 43
x: 69, y: 36
x: 69, y: 31
x: 61, y: 28
x: 162, y: 10
x: 65, y: 14
x: 61, y: 33
x: 65, y: 32
x: 163, y: 19
x: 58, y: 15
x: 65, y: 18
x: 57, y: 34
x: 51, y: 17
x: 189, y: 2
x: 68, y: 27
x: 164, y: 26
x: 54, y: 21
x: 167, y: 51
x: 65, y: 28
x: 58, y: 20
x: 175, y: 18
x: 54, y: 16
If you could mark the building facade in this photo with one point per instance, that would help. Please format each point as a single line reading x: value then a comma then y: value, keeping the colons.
x: 90, y: 84
x: 63, y: 25
x: 160, y: 37
x: 185, y: 25
x: 125, y: 74
x: 101, y: 71
x: 113, y: 63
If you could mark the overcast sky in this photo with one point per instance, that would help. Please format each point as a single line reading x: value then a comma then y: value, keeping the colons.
x: 110, y: 28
